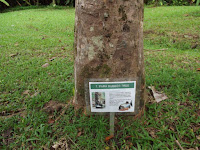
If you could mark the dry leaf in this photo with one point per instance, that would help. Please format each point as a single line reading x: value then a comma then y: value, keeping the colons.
x: 62, y: 144
x: 157, y: 95
x: 34, y: 94
x: 16, y: 44
x: 198, y: 137
x: 79, y: 134
x: 45, y: 65
x: 13, y: 55
x: 108, y: 138
x: 51, y: 59
x: 128, y: 137
x: 51, y: 121
x: 26, y: 92
x: 194, y: 46
x: 56, y: 145
x: 185, y: 62
x: 53, y: 106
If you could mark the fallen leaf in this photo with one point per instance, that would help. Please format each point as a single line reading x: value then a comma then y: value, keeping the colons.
x: 108, y: 138
x: 45, y: 65
x: 152, y: 132
x: 34, y: 94
x: 62, y: 144
x: 51, y: 59
x: 26, y: 92
x: 186, y: 15
x: 13, y: 55
x: 194, y: 46
x: 56, y: 145
x: 185, y: 62
x: 53, y: 106
x: 157, y: 95
x: 171, y: 127
x: 16, y: 44
x: 79, y: 134
x: 51, y: 121
x: 127, y: 137
x: 198, y: 137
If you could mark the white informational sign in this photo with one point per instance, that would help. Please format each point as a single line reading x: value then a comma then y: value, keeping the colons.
x: 112, y: 96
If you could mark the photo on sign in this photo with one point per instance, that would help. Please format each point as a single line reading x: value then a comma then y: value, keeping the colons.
x: 125, y: 106
x: 98, y: 100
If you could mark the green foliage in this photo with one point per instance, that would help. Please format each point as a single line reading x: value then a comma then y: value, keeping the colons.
x: 3, y: 1
x: 22, y: 3
x: 35, y: 36
x: 172, y: 2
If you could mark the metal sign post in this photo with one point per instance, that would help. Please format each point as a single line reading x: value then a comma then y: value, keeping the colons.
x: 112, y: 123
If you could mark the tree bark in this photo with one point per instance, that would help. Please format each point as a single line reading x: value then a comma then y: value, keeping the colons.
x: 108, y: 43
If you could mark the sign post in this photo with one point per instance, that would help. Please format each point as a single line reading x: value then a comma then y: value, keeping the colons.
x: 112, y: 97
x: 112, y: 123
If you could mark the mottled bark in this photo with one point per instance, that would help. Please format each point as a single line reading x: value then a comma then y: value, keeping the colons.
x: 108, y: 43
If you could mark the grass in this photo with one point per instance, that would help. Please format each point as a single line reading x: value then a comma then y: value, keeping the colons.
x: 30, y: 37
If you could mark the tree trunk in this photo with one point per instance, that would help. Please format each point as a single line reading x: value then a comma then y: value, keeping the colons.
x: 54, y: 2
x: 108, y: 44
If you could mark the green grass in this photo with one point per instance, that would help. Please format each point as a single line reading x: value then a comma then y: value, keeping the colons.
x: 36, y: 35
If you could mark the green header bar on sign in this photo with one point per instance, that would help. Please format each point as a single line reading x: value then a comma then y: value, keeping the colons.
x: 112, y: 86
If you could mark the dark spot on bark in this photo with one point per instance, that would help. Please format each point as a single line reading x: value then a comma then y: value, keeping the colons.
x: 122, y: 57
x: 105, y: 70
x: 139, y: 73
x: 126, y: 28
x: 123, y: 13
x: 81, y: 91
x: 100, y: 56
x: 122, y: 45
x: 108, y: 35
x: 103, y: 56
x: 86, y: 72
x: 123, y: 69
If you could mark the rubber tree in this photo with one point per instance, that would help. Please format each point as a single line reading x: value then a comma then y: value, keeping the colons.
x: 108, y: 43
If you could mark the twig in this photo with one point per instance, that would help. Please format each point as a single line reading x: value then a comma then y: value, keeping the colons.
x: 179, y: 145
x: 157, y: 49
x: 18, y: 3
x: 72, y: 141
x: 27, y: 2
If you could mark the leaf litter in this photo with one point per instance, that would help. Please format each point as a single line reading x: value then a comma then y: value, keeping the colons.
x: 158, y: 95
x: 45, y: 65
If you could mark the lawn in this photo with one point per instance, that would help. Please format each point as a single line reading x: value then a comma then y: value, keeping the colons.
x: 36, y: 71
